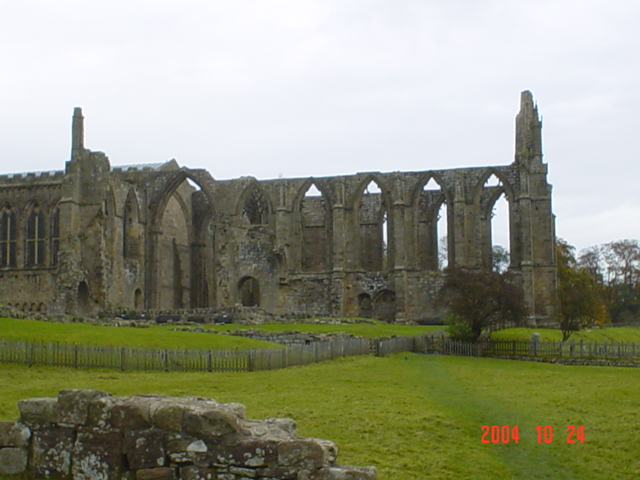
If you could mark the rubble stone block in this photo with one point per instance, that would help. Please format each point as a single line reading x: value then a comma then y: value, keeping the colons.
x: 37, y: 412
x: 73, y: 405
x: 301, y: 453
x: 144, y: 449
x: 50, y: 454
x: 168, y: 416
x: 99, y: 412
x: 132, y: 414
x: 287, y: 425
x: 176, y: 448
x: 14, y: 434
x: 197, y: 473
x: 13, y: 461
x: 160, y: 473
x: 250, y: 453
x: 211, y: 423
x: 97, y: 454
x: 241, y: 472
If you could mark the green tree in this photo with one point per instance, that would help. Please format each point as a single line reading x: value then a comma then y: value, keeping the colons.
x: 615, y: 266
x: 478, y: 299
x: 579, y: 302
x: 500, y: 259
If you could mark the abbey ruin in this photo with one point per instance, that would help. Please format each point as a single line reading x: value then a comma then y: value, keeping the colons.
x: 93, y: 236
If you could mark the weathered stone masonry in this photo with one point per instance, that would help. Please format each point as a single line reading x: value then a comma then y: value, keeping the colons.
x: 161, y: 236
x: 91, y: 435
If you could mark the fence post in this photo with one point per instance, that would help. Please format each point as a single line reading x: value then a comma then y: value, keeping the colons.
x: 209, y: 361
x: 166, y: 360
x: 122, y: 354
x: 250, y: 360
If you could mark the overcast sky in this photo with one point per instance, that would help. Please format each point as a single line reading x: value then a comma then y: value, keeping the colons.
x: 318, y: 88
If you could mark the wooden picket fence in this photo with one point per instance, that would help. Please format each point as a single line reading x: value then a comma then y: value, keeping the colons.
x: 534, y: 349
x: 193, y: 360
x: 135, y: 358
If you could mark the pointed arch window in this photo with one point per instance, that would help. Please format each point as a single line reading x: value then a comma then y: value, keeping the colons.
x: 8, y: 237
x: 497, y: 237
x: 373, y: 229
x: 432, y: 227
x: 315, y: 245
x: 55, y: 235
x: 35, y: 237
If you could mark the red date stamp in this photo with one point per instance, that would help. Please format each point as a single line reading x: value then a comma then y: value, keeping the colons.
x: 508, y: 434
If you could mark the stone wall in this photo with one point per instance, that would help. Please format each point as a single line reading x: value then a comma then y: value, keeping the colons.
x: 91, y: 435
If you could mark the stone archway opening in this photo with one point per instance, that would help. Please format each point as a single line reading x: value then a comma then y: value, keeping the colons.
x: 366, y: 306
x: 249, y: 290
x: 84, y: 299
x: 384, y: 306
x: 498, y: 225
x: 137, y: 299
x: 432, y: 224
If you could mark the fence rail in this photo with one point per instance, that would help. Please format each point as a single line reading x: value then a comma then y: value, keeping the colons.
x: 134, y: 358
x: 535, y: 349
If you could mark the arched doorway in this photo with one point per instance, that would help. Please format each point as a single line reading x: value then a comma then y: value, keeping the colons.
x: 366, y: 306
x: 249, y: 289
x: 84, y: 299
x: 384, y: 306
x: 137, y: 299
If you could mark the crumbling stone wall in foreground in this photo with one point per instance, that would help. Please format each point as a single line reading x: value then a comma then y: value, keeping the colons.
x: 91, y: 435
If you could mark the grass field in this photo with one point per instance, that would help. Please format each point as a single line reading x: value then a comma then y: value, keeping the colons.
x: 412, y: 416
x: 621, y: 334
x: 164, y: 336
x: 155, y: 336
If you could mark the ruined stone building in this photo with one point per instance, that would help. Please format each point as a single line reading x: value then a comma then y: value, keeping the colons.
x: 161, y: 236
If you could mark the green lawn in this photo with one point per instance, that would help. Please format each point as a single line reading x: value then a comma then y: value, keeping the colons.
x: 155, y: 336
x: 618, y: 334
x: 412, y: 416
x: 164, y: 336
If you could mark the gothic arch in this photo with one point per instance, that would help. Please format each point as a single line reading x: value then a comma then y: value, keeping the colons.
x: 426, y: 213
x: 424, y: 179
x: 249, y: 291
x: 35, y: 234
x: 185, y: 259
x: 168, y: 186
x: 8, y: 236
x: 131, y: 231
x: 358, y: 191
x: 373, y: 226
x: 484, y: 212
x: 313, y: 226
x: 506, y: 185
x: 384, y: 305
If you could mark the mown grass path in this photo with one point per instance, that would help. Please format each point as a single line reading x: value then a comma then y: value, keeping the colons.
x: 413, y: 416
